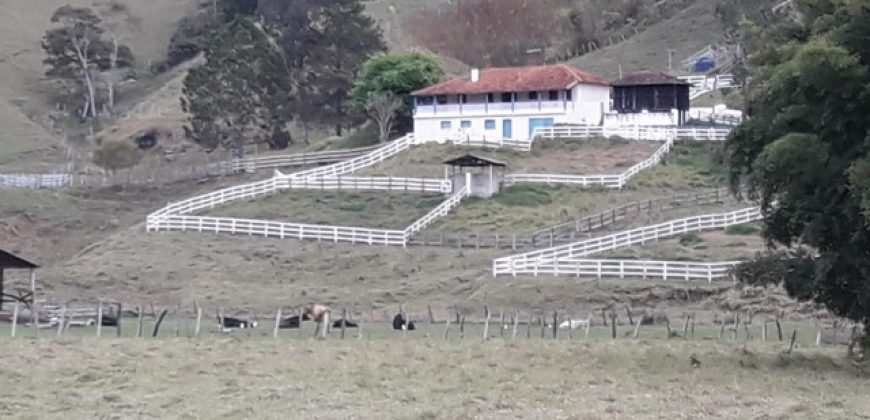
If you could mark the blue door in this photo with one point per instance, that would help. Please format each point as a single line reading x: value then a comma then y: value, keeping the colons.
x: 539, y: 122
x: 507, y: 129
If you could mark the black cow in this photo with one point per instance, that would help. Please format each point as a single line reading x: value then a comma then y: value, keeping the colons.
x: 400, y: 323
x: 290, y: 322
x: 230, y: 322
x: 347, y: 324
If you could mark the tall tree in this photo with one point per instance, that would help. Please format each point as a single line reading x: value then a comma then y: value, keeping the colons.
x: 241, y: 94
x: 117, y: 18
x: 803, y: 153
x: 400, y: 74
x: 325, y: 42
x: 77, y: 52
x: 382, y: 108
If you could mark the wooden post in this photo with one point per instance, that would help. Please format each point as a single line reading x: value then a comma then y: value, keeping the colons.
x: 198, y: 327
x: 637, y: 327
x: 764, y: 331
x: 324, y: 324
x: 462, y: 327
x: 159, y: 321
x: 343, y: 322
x: 14, y: 319
x: 446, y: 328
x: 486, y: 323
x: 604, y: 317
x: 686, y: 325
x: 613, y: 326
x: 628, y: 312
x: 529, y: 327
x: 515, y: 319
x: 819, y: 335
x: 543, y: 326
x: 722, y: 330
x: 118, y: 320
x: 99, y: 318
x: 502, y: 325
x: 778, y: 328
x: 34, y: 313
x: 793, y: 338
x: 141, y: 320
x: 668, y: 327
x: 61, y: 320
x: 588, y: 325
x: 692, y: 326
x: 277, y: 323
x: 556, y: 323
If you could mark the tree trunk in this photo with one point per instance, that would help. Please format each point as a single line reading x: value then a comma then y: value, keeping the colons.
x: 81, y: 52
x: 113, y: 60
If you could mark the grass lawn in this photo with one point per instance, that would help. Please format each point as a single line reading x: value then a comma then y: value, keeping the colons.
x: 375, y: 379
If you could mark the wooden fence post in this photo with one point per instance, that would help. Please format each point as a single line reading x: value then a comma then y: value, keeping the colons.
x: 324, y: 324
x: 529, y: 327
x: 613, y: 326
x: 277, y: 323
x: 628, y: 312
x: 778, y: 328
x: 14, y: 319
x: 100, y: 318
x: 686, y: 325
x: 159, y: 321
x: 556, y: 323
x: 446, y: 328
x: 141, y: 320
x: 343, y: 322
x: 198, y: 327
x: 793, y: 338
x: 486, y: 323
x: 60, y: 322
x: 118, y: 320
x: 818, y: 335
x: 515, y: 319
x: 502, y: 325
x: 462, y: 327
x: 543, y: 319
x: 604, y: 316
x: 637, y: 327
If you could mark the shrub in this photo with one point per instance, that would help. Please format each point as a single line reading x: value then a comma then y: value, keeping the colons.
x: 688, y: 239
x: 114, y: 155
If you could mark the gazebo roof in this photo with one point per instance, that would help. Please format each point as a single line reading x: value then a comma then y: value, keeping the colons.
x: 472, y: 161
x: 649, y: 78
x: 8, y: 260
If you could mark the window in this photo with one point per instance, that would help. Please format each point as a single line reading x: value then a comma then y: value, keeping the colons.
x: 490, y: 98
x: 425, y: 100
x: 533, y: 96
x: 441, y: 99
x: 554, y: 95
x: 463, y: 99
x: 465, y: 124
x: 489, y: 124
x: 567, y: 95
x: 445, y: 125
x: 507, y: 97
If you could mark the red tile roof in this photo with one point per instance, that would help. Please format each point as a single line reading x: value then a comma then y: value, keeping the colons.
x: 515, y: 79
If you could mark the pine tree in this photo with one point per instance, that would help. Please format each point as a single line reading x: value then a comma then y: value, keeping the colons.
x: 241, y: 94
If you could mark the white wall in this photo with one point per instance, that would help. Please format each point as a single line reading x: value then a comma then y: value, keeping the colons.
x: 590, y: 102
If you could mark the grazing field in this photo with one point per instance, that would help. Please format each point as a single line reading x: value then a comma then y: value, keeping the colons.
x: 707, y: 246
x: 571, y: 157
x: 539, y: 379
x: 362, y: 209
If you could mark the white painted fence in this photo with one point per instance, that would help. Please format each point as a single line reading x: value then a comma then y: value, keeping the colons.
x: 372, y: 183
x: 525, y: 263
x: 632, y: 133
x: 35, y: 180
x: 252, y: 164
x: 636, y: 269
x: 440, y: 211
x: 272, y: 229
x: 352, y: 165
x: 720, y: 115
x: 606, y: 181
x: 468, y: 141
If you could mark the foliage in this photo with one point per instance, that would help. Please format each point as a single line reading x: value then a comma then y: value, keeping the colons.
x: 241, y: 93
x: 802, y: 152
x: 688, y: 239
x: 77, y: 53
x: 523, y: 196
x: 114, y: 155
x: 382, y: 107
x: 399, y: 73
x: 325, y: 43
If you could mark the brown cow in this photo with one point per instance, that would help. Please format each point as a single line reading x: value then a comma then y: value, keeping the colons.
x: 315, y: 312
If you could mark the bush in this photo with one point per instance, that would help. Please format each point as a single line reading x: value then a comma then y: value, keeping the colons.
x: 114, y: 155
x: 688, y: 239
x: 523, y: 196
x: 742, y: 229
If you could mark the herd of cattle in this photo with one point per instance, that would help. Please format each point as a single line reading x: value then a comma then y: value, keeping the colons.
x: 316, y: 313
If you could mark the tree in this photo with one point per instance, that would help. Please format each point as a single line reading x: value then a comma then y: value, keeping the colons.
x: 117, y: 17
x: 242, y: 93
x: 114, y: 155
x: 382, y: 107
x: 76, y: 52
x: 802, y: 152
x: 400, y: 74
x: 325, y: 43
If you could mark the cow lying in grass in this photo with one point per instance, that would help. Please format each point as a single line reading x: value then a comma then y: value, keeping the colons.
x: 400, y: 323
x: 228, y: 323
x: 293, y: 322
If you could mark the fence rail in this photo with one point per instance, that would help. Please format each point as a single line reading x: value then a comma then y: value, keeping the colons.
x: 441, y: 210
x: 255, y: 163
x: 521, y: 145
x: 525, y: 263
x: 422, y: 185
x: 272, y: 229
x: 631, y: 133
x: 639, y: 269
x: 352, y: 165
x: 36, y: 180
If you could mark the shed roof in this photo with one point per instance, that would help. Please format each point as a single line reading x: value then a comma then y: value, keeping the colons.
x: 649, y: 78
x: 8, y: 260
x: 515, y: 79
x: 469, y: 160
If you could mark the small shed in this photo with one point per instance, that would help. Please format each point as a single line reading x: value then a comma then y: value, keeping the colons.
x: 650, y: 91
x: 9, y: 261
x: 483, y: 176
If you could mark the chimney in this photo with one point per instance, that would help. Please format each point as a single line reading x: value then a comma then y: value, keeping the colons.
x: 475, y: 75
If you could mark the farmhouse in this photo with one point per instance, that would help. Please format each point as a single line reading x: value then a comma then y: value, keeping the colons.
x: 649, y: 98
x: 509, y: 103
